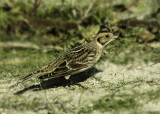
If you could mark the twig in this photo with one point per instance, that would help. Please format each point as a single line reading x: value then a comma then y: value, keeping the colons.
x: 86, y: 14
x: 35, y: 7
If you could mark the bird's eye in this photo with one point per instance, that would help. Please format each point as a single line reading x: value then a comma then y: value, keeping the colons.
x: 107, y: 36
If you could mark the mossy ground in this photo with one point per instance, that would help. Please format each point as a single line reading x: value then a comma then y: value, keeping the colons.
x: 125, y: 80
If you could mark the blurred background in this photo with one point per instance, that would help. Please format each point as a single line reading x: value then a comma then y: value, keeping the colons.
x: 33, y: 32
x: 52, y: 26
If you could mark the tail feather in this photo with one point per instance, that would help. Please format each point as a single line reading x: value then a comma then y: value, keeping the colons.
x: 24, y: 79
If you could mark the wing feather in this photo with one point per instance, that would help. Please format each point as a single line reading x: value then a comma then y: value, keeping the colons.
x: 73, y: 62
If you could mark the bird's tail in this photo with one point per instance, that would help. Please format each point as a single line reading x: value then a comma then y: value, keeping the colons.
x: 25, y: 79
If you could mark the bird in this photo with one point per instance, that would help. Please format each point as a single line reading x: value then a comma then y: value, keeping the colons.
x: 76, y: 60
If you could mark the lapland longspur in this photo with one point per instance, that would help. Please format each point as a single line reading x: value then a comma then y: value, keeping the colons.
x: 77, y: 59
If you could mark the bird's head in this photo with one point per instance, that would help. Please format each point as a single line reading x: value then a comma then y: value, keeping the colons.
x: 105, y: 38
x: 106, y: 34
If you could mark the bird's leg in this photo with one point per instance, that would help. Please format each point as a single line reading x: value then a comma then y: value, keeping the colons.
x: 67, y: 77
x: 74, y: 82
x: 80, y: 85
x: 71, y: 81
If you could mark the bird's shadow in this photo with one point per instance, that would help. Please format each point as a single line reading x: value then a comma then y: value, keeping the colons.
x: 60, y: 81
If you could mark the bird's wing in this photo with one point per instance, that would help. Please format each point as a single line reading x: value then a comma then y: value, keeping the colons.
x: 64, y: 69
x: 74, y: 61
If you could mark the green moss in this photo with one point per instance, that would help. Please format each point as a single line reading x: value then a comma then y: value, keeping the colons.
x: 153, y: 95
x: 21, y: 105
x: 113, y: 102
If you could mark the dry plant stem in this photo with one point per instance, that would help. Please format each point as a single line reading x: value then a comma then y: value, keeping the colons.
x: 139, y: 23
x: 126, y: 8
x: 131, y: 4
x: 52, y: 23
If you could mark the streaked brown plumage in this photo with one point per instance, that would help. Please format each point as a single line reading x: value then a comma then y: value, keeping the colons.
x: 76, y: 60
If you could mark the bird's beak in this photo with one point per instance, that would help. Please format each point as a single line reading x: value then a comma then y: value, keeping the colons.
x: 114, y: 37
